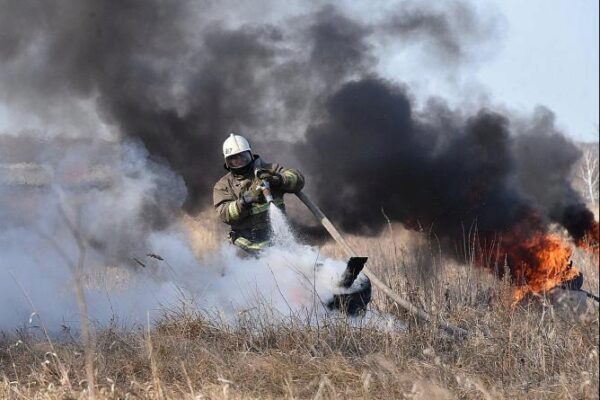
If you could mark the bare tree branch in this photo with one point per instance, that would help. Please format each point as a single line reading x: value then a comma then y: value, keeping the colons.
x: 588, y: 173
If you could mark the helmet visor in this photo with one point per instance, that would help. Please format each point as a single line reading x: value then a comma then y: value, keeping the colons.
x: 239, y: 160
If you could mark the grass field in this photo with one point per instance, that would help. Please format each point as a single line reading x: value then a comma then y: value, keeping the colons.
x: 528, y: 351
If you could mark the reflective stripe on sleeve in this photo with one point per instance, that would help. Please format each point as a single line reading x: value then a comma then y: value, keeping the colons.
x: 233, y: 211
x: 290, y: 178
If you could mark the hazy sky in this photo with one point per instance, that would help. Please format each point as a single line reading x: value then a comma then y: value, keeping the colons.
x: 546, y: 54
x: 550, y: 57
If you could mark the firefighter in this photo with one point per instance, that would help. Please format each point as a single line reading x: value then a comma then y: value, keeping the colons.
x: 240, y: 202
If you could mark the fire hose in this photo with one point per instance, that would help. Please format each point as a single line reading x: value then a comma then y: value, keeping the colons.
x: 412, y: 309
x: 590, y: 295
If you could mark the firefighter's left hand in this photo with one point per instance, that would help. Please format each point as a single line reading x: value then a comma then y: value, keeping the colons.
x: 273, y: 178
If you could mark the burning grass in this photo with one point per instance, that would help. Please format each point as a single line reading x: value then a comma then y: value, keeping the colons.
x: 528, y: 351
x: 539, y: 263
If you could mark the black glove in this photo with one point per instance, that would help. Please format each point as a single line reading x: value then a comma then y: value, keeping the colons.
x: 251, y: 196
x: 273, y: 178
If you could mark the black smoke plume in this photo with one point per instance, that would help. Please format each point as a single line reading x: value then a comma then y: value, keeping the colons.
x: 438, y: 173
x: 179, y: 77
x: 437, y: 170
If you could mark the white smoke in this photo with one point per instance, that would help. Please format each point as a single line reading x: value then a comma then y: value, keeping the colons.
x: 101, y: 193
x: 138, y: 260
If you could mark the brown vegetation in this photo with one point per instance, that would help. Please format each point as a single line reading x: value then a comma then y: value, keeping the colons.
x: 529, y: 351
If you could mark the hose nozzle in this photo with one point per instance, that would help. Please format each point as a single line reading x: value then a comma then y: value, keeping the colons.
x: 266, y: 190
x: 264, y: 186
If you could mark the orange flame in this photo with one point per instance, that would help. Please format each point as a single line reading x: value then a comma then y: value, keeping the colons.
x: 539, y: 263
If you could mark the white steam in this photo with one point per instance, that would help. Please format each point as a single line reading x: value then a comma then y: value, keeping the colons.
x: 101, y: 193
x: 124, y: 209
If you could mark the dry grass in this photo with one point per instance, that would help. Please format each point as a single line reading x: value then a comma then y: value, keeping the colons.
x: 525, y: 352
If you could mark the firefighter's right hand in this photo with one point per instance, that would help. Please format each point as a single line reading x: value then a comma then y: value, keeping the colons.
x: 251, y: 196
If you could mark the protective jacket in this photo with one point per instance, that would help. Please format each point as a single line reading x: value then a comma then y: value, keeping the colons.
x: 250, y: 228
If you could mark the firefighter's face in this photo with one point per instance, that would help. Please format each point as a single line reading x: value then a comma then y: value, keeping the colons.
x: 239, y: 160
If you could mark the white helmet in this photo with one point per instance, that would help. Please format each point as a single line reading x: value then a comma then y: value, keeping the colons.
x: 235, y: 144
